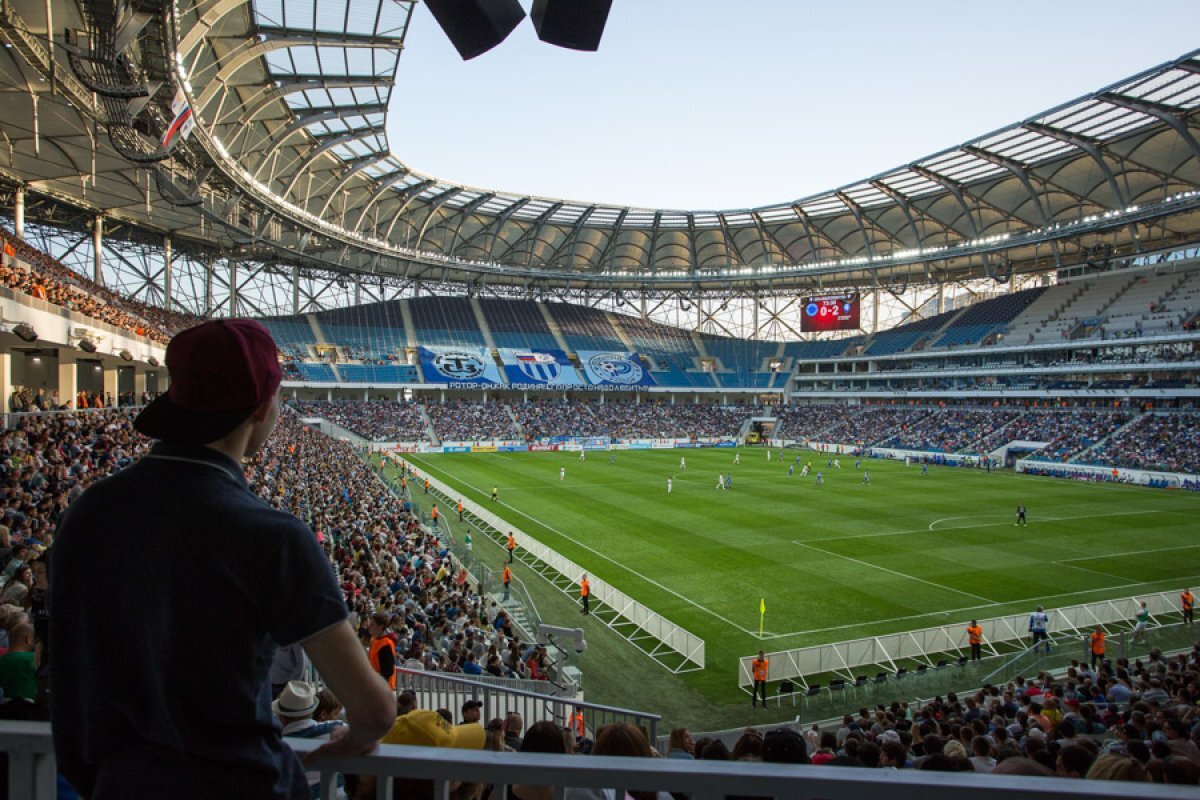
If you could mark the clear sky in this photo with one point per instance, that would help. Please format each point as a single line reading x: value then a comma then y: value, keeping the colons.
x: 697, y: 104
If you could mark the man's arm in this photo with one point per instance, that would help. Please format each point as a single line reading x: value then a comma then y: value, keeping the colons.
x: 369, y: 702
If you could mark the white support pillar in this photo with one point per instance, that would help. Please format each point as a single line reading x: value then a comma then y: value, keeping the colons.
x: 329, y: 395
x: 110, y: 384
x: 139, y: 385
x: 366, y: 395
x: 97, y: 250
x: 167, y: 267
x: 19, y: 213
x: 68, y: 384
x: 5, y: 379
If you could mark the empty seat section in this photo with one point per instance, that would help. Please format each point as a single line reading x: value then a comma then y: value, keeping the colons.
x: 987, y: 316
x: 292, y: 334
x: 320, y: 373
x: 517, y: 324
x: 445, y: 322
x: 585, y: 328
x: 372, y: 333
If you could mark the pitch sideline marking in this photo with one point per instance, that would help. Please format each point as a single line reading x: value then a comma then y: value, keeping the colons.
x: 1038, y: 599
x: 607, y: 558
x: 982, y: 525
x: 1130, y: 553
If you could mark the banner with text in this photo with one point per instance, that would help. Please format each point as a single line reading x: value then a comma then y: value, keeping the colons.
x: 462, y: 365
x: 539, y: 368
x: 608, y: 368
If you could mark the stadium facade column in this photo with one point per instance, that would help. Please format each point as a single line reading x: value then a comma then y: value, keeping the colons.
x: 167, y: 268
x: 5, y: 378
x: 19, y: 212
x: 112, y: 382
x: 139, y: 384
x: 295, y: 289
x: 68, y: 378
x: 98, y: 249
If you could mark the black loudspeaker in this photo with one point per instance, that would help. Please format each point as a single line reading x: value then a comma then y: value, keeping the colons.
x: 126, y: 355
x: 577, y: 24
x: 87, y: 345
x: 152, y: 361
x: 476, y: 26
x: 25, y: 332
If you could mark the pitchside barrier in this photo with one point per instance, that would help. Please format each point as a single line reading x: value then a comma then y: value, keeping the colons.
x: 892, y: 651
x: 666, y: 643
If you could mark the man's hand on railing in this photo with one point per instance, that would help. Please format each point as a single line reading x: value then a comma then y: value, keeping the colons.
x: 342, y: 742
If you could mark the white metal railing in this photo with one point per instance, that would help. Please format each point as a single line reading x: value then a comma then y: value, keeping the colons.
x: 32, y: 777
x: 923, y: 645
x: 440, y: 690
x: 631, y: 619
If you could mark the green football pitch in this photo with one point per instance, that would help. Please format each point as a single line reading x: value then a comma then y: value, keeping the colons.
x: 836, y: 561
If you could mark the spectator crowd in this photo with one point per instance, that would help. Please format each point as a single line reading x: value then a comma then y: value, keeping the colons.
x: 28, y: 270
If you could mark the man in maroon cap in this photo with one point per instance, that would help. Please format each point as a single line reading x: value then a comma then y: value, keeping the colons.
x: 172, y: 633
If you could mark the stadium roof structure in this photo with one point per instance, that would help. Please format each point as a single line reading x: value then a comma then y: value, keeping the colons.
x: 290, y: 162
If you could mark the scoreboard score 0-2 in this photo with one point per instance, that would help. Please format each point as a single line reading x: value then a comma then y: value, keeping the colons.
x: 832, y: 312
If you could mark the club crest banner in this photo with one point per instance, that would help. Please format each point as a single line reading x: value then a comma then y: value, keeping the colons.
x: 458, y: 365
x: 545, y: 367
x: 608, y: 368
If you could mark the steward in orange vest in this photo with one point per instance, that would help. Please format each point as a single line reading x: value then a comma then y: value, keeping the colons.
x: 1097, y: 645
x: 383, y: 650
x: 1188, y: 601
x: 585, y: 595
x: 512, y: 546
x: 975, y: 639
x: 759, y: 669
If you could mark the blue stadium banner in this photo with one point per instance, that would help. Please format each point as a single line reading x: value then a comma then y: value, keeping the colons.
x: 462, y: 365
x: 539, y: 367
x: 609, y: 368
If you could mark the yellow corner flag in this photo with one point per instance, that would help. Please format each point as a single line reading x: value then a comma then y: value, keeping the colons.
x: 762, y: 613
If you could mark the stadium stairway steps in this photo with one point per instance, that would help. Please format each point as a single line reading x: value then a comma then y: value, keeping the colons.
x: 429, y: 430
x: 1076, y: 459
x: 410, y: 331
x: 552, y: 324
x: 516, y: 422
x: 484, y: 328
x: 319, y: 334
x: 997, y: 435
x: 615, y: 319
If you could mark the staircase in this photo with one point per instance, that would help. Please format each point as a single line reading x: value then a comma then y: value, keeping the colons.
x: 482, y: 322
x: 1078, y: 457
x: 552, y: 324
x: 429, y: 431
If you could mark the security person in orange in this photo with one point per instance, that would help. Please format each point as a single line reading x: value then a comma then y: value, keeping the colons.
x: 460, y: 510
x: 585, y: 595
x: 435, y: 514
x: 427, y: 486
x: 382, y: 654
x: 1188, y: 601
x: 759, y: 668
x: 1097, y: 646
x: 511, y: 545
x: 506, y: 578
x: 975, y: 638
x: 577, y: 725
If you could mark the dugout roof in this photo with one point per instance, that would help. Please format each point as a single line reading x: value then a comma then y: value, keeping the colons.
x: 290, y: 160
